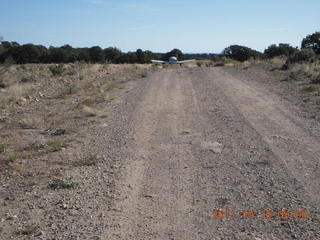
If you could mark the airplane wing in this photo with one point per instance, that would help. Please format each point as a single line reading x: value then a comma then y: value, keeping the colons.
x: 186, y: 61
x: 157, y: 61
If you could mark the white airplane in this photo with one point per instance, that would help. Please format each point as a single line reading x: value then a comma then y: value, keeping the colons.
x: 173, y: 60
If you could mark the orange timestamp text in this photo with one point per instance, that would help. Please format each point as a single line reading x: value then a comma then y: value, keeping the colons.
x: 219, y: 214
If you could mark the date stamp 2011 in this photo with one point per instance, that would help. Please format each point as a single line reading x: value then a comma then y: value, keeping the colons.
x: 283, y: 214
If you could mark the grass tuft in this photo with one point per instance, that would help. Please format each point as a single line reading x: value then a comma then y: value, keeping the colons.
x: 60, y: 184
x: 111, y: 86
x: 90, y: 112
x: 310, y: 89
x: 3, y: 148
x: 57, y: 70
x: 55, y: 146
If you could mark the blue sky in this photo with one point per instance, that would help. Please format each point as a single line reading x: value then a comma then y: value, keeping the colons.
x: 159, y: 25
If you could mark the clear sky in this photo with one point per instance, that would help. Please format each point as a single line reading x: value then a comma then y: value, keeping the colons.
x: 159, y: 25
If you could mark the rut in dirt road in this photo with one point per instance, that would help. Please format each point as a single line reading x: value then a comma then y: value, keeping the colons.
x: 204, y: 141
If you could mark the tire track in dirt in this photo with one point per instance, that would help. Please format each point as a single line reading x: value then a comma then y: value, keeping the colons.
x: 299, y: 151
x: 161, y: 174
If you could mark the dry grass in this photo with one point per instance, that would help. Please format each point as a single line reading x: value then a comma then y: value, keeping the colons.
x: 30, y: 123
x: 91, y: 112
x: 310, y: 89
x: 3, y: 148
x: 302, y: 71
x: 16, y: 92
x: 88, y: 102
x: 35, y: 106
x: 47, y: 121
x: 111, y: 86
x: 87, y: 159
x: 291, y: 72
x: 55, y: 145
x: 223, y: 61
x: 277, y: 63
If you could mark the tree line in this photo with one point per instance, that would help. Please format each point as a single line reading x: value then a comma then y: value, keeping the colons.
x: 310, y: 47
x: 14, y: 53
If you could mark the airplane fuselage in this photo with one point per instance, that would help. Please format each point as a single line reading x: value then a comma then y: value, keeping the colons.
x: 173, y: 60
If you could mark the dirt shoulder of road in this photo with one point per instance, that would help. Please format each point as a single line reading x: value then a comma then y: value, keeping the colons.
x: 50, y: 124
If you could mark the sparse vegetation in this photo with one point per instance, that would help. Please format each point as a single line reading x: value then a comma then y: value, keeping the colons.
x: 219, y: 64
x: 88, y: 102
x: 55, y: 145
x: 144, y: 75
x: 310, y: 89
x: 11, y: 158
x: 27, y: 230
x: 60, y: 184
x: 90, y: 112
x: 57, y: 70
x: 316, y: 78
x: 3, y: 148
x: 88, y: 159
x: 111, y: 86
x: 29, y: 123
x: 16, y: 92
x: 2, y: 85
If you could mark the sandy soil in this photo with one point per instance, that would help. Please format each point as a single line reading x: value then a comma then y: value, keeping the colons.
x: 182, y: 148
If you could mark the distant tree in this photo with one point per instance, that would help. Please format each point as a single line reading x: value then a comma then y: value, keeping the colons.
x: 72, y: 54
x: 312, y: 42
x: 29, y: 53
x: 130, y: 57
x: 83, y: 54
x: 240, y: 53
x: 7, y: 49
x: 173, y: 53
x: 283, y: 49
x: 57, y: 55
x: 148, y: 56
x: 96, y: 55
x: 112, y: 54
x: 140, y: 56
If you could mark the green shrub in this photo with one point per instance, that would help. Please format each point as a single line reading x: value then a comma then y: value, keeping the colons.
x: 316, y: 79
x: 60, y: 184
x: 219, y: 64
x: 11, y: 158
x: 57, y: 70
x: 2, y: 85
x: 3, y: 148
x: 310, y: 89
x: 305, y: 55
x: 55, y: 146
